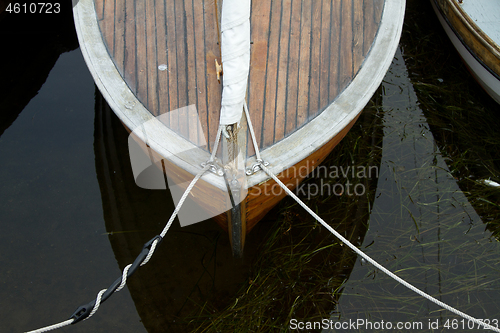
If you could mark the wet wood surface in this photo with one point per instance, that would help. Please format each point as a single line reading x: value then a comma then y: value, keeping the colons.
x: 303, y: 54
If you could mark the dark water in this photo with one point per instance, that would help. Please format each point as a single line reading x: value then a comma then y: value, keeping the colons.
x: 71, y: 217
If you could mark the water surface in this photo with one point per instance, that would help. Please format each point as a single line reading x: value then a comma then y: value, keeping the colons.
x: 71, y: 217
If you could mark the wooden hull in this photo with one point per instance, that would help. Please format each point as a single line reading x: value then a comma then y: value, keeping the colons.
x: 200, y: 261
x: 479, y: 50
x: 313, y: 68
x: 263, y: 197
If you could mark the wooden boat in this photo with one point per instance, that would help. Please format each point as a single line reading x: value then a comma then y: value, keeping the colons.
x: 201, y: 265
x: 313, y: 67
x: 473, y: 27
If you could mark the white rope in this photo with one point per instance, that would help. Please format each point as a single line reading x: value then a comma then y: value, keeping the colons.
x: 184, y: 196
x: 97, y: 303
x: 252, y: 133
x: 354, y: 248
x: 124, y: 278
x: 150, y: 253
x: 177, y: 209
x: 53, y: 327
x: 216, y: 145
x: 94, y: 309
x: 373, y: 262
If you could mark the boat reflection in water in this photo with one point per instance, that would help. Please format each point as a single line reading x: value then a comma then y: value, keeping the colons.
x: 462, y: 117
x: 20, y: 81
x: 308, y: 70
x: 433, y: 222
x: 192, y: 280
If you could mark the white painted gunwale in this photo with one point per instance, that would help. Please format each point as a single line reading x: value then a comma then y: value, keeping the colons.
x: 485, y: 14
x: 481, y: 72
x: 282, y: 155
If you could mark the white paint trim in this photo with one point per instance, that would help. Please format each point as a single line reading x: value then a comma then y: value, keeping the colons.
x: 124, y: 103
x: 483, y: 76
x: 486, y: 16
x: 350, y: 102
x: 283, y: 154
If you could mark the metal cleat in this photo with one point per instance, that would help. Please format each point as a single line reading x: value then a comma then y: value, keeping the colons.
x: 255, y: 167
x: 219, y: 171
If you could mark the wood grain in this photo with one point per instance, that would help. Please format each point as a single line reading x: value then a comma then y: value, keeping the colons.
x: 303, y: 54
x: 478, y: 43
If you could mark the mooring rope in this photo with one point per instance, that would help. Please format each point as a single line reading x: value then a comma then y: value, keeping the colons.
x: 53, y: 327
x: 252, y: 133
x: 372, y: 261
x: 82, y: 313
x: 262, y: 164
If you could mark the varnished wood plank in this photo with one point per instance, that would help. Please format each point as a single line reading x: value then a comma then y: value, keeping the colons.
x: 358, y: 34
x: 152, y: 66
x: 172, y: 63
x: 191, y: 72
x: 281, y: 93
x: 369, y: 25
x: 296, y: 63
x: 336, y: 22
x: 346, y: 44
x: 261, y: 11
x: 315, y: 70
x: 195, y: 129
x: 182, y: 74
x: 214, y: 88
x: 141, y: 56
x: 129, y: 61
x: 99, y: 9
x: 378, y: 9
x: 304, y: 64
x: 200, y: 68
x: 119, y: 35
x: 161, y: 53
x: 293, y: 67
x: 222, y: 149
x: 327, y: 34
x: 108, y: 24
x: 375, y: 15
x: 269, y: 118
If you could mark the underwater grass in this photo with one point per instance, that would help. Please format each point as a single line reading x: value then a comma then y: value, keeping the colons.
x: 442, y: 240
x: 463, y: 118
x: 452, y: 250
x: 301, y: 267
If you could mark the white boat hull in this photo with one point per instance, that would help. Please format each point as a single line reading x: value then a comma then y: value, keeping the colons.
x: 488, y: 79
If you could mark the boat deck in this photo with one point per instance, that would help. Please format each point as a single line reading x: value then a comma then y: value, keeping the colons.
x: 303, y: 55
x: 473, y: 30
x: 486, y: 15
x: 314, y: 64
